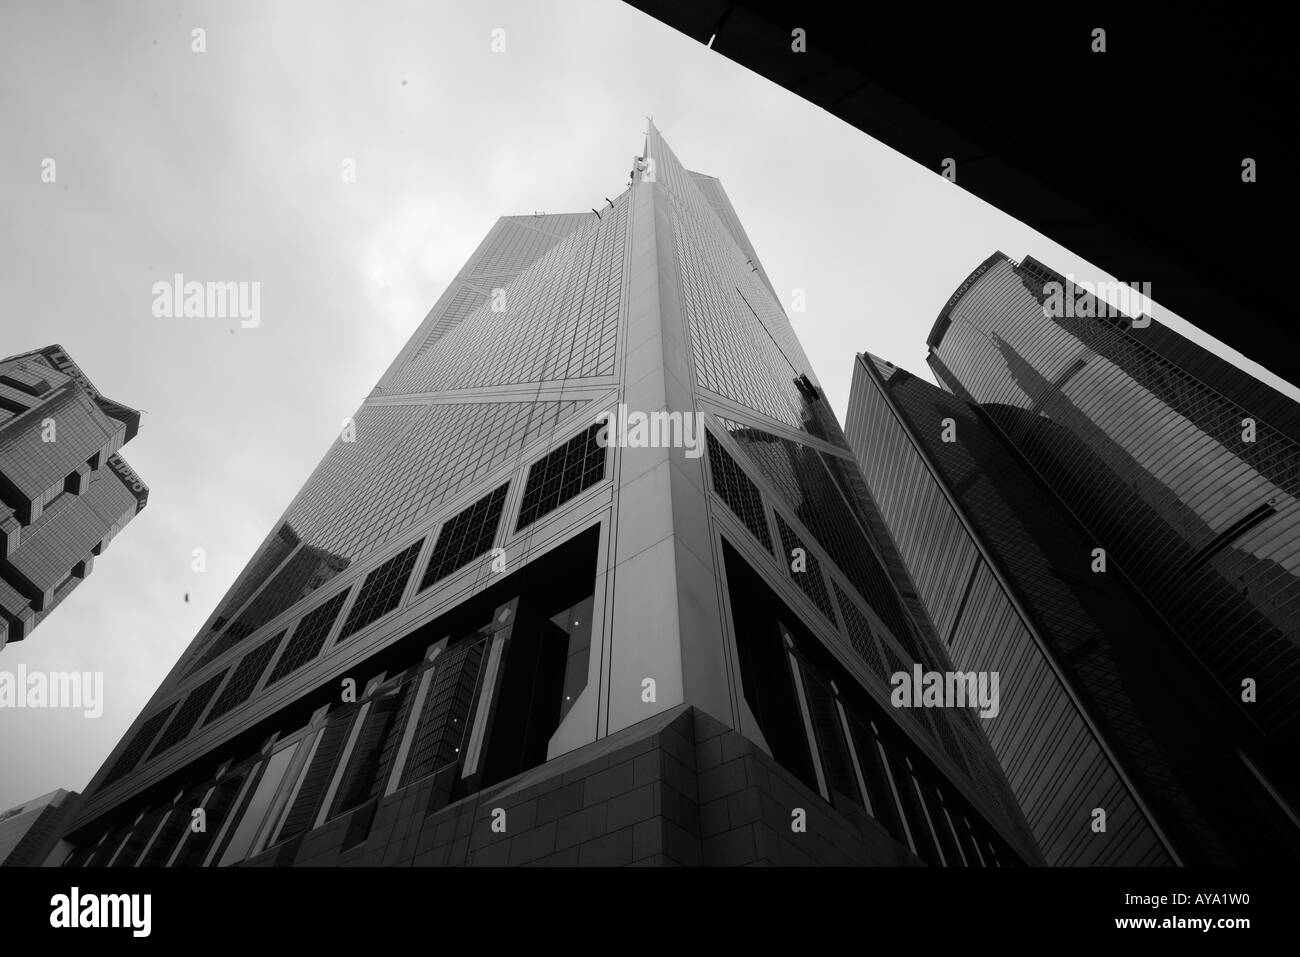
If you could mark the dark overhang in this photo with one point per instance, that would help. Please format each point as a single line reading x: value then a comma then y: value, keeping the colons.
x: 1131, y: 158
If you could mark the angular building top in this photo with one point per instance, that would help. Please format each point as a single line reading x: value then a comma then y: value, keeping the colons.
x: 64, y: 489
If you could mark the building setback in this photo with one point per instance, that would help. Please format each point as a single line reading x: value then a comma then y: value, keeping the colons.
x: 1103, y: 707
x: 480, y: 634
x: 65, y: 492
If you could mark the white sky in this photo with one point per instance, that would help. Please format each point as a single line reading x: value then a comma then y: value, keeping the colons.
x: 225, y: 166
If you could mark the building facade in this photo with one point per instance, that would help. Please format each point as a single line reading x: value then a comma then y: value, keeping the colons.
x: 1104, y: 711
x: 589, y: 578
x: 1184, y: 468
x: 65, y: 492
x: 29, y: 833
x: 1181, y: 468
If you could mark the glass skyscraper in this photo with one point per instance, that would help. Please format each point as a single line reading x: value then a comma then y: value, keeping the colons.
x: 1185, y: 469
x: 591, y: 577
x: 1103, y: 710
x: 1132, y: 498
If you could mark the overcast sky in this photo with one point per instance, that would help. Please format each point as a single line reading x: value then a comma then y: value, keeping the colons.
x: 225, y: 166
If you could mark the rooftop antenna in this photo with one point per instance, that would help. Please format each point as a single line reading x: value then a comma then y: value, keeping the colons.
x: 610, y: 201
x: 596, y: 212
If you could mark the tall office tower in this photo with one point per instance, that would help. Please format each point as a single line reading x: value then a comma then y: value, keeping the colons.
x: 590, y: 578
x: 1182, y: 468
x: 1102, y: 708
x: 64, y: 490
x: 30, y: 831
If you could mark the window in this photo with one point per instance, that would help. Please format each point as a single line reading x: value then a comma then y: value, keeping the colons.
x: 309, y: 637
x: 135, y: 750
x: 465, y: 537
x: 569, y: 470
x: 829, y: 731
x: 577, y: 622
x: 809, y: 577
x: 250, y: 822
x: 444, y: 719
x: 189, y: 712
x: 912, y: 802
x: 217, y: 802
x: 381, y: 591
x: 735, y: 488
x: 879, y: 799
x: 765, y: 671
x: 245, y: 678
x: 140, y: 836
x: 375, y: 749
x: 301, y: 816
x: 169, y: 835
x: 860, y: 635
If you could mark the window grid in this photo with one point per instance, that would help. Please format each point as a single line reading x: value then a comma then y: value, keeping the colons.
x: 859, y: 629
x: 188, y: 714
x: 1151, y: 460
x: 465, y: 537
x: 559, y: 320
x: 561, y: 475
x: 801, y: 476
x: 309, y: 638
x: 382, y: 590
x: 741, y: 495
x: 135, y: 750
x: 244, y: 679
x: 810, y: 580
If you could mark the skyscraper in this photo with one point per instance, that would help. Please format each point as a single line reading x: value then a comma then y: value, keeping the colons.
x: 30, y: 831
x: 1106, y: 720
x: 65, y: 492
x: 589, y: 578
x: 1181, y: 468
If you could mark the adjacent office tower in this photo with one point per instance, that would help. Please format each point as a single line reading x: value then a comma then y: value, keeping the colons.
x: 30, y: 831
x: 1126, y: 500
x: 1103, y: 709
x: 64, y: 490
x: 589, y: 578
